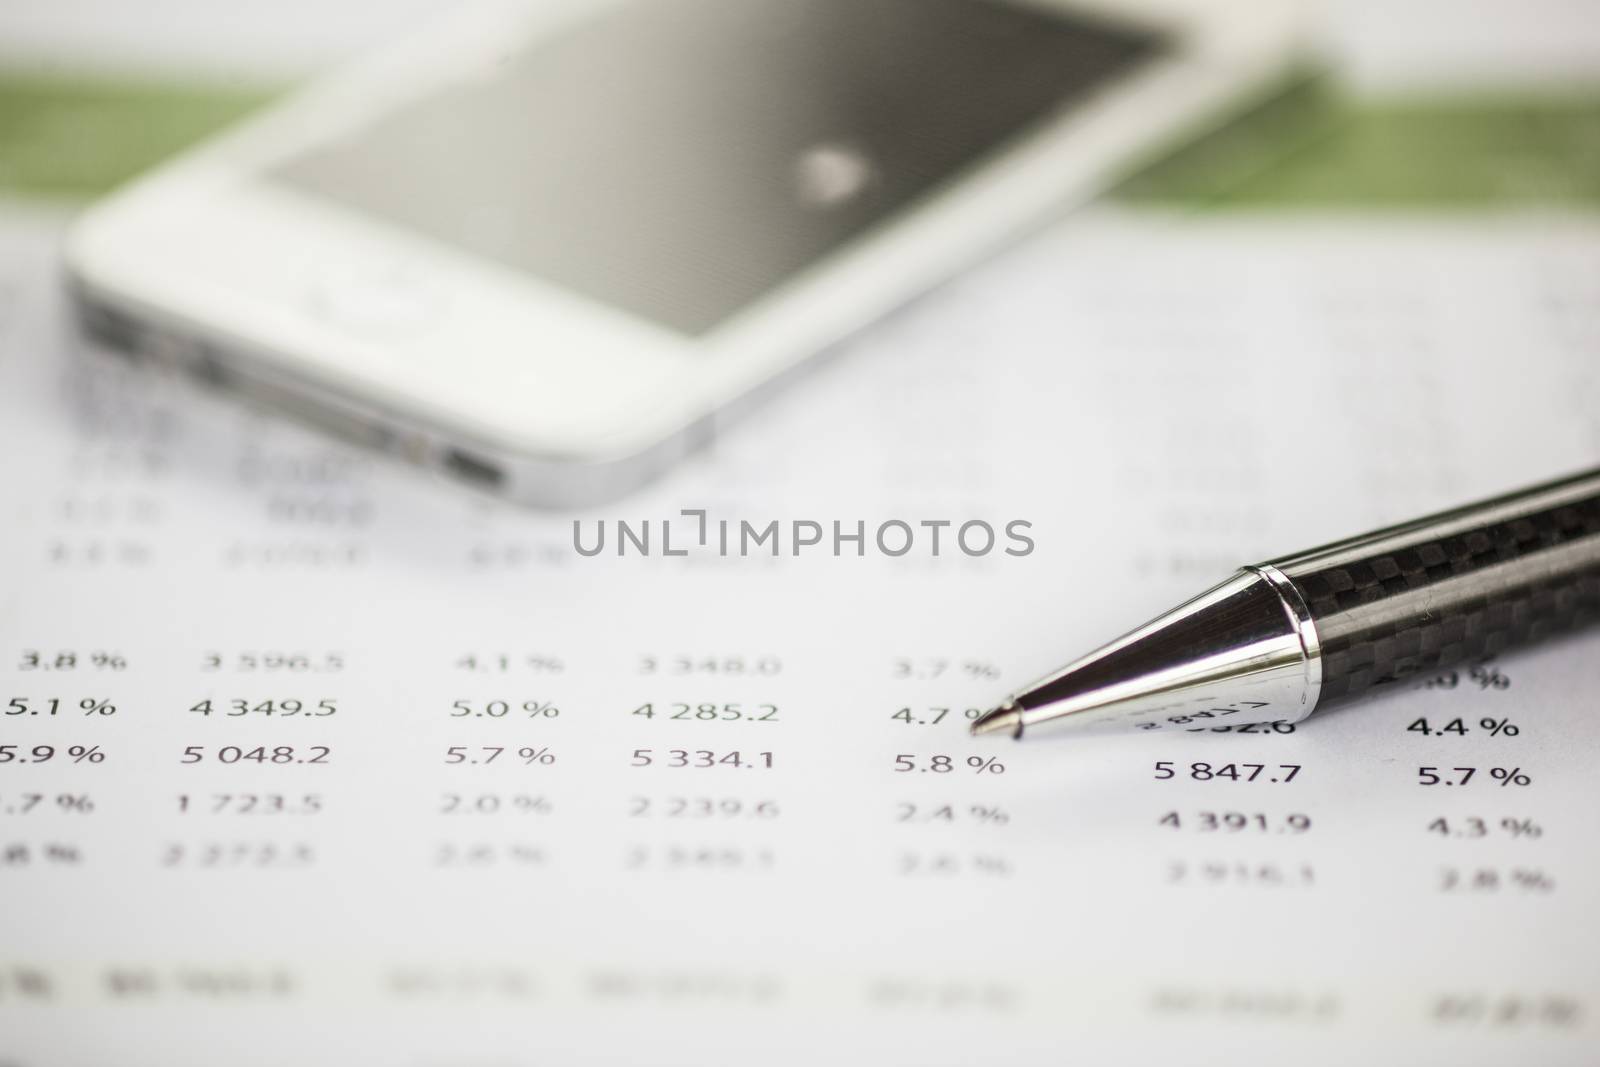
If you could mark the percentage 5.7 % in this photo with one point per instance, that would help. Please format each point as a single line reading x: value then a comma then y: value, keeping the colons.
x: 1450, y: 776
x: 528, y: 755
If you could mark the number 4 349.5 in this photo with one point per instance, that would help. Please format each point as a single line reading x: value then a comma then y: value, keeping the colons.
x: 236, y: 708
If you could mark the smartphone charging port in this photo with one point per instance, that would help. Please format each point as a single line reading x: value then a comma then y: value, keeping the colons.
x: 474, y: 469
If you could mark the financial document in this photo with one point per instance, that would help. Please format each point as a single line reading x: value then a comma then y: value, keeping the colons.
x: 310, y: 758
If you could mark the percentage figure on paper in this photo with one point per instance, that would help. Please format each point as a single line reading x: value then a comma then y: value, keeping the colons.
x: 915, y: 669
x: 1489, y: 677
x: 487, y: 855
x: 35, y: 660
x: 947, y: 864
x: 906, y: 763
x: 479, y: 754
x: 1494, y: 880
x: 1484, y: 675
x: 55, y: 705
x: 493, y: 804
x: 1473, y: 826
x: 502, y: 662
x: 931, y: 716
x: 1450, y: 776
x: 51, y: 854
x: 46, y: 753
x: 1494, y: 727
x: 984, y: 814
x: 65, y: 803
x: 499, y: 709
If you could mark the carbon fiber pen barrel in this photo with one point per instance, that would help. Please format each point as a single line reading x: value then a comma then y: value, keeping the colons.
x: 1452, y: 587
x: 1280, y: 640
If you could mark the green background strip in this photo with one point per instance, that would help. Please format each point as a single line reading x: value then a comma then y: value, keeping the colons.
x: 64, y: 138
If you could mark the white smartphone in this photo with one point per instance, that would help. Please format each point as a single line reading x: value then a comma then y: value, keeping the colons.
x: 547, y: 246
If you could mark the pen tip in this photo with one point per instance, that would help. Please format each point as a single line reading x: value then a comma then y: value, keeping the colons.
x: 1007, y: 718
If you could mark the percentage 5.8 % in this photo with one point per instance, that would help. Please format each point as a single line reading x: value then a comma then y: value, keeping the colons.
x: 907, y: 763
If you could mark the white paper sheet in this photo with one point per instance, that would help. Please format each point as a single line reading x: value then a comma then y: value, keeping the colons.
x: 1161, y: 399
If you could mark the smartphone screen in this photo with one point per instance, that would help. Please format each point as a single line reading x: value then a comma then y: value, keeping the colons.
x: 677, y: 159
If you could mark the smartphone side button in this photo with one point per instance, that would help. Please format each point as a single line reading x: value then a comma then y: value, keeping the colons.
x: 389, y: 302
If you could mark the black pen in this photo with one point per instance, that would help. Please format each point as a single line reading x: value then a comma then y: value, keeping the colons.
x: 1280, y: 640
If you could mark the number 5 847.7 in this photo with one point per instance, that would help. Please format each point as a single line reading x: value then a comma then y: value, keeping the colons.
x: 1228, y: 772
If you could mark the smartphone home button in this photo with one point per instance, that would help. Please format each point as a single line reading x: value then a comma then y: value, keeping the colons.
x: 380, y: 301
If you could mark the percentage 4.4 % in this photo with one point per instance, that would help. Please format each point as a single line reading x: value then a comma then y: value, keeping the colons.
x: 55, y: 705
x: 500, y: 709
x: 909, y: 764
x: 46, y: 753
x: 1463, y: 775
x: 1458, y: 726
